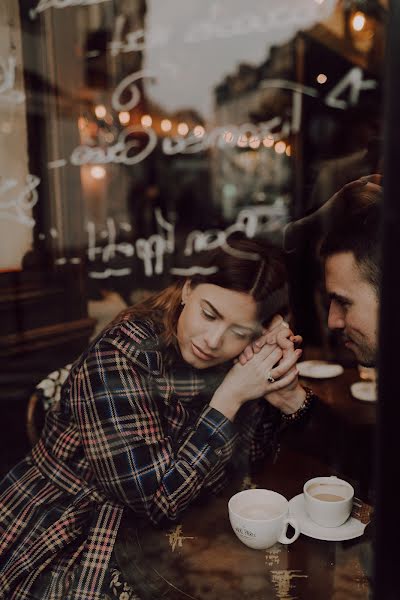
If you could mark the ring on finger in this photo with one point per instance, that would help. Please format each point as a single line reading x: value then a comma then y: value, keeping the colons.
x: 270, y: 379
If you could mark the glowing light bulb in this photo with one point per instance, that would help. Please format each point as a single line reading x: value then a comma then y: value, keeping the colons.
x: 98, y: 172
x: 280, y: 147
x: 146, y: 121
x: 242, y: 141
x: 183, y: 128
x: 199, y: 131
x: 124, y: 117
x: 254, y: 143
x: 288, y: 150
x: 358, y: 21
x: 322, y: 78
x: 100, y: 111
x: 166, y: 125
x: 268, y: 142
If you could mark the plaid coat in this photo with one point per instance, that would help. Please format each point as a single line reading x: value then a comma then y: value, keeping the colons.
x: 131, y: 432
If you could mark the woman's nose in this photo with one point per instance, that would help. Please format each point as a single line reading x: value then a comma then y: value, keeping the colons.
x: 214, y: 337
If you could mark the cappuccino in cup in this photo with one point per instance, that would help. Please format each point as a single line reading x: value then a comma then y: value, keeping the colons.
x: 328, y: 500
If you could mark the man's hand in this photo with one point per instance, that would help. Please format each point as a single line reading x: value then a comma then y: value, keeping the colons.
x: 278, y: 333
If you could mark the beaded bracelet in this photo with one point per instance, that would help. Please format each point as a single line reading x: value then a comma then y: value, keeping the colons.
x: 300, y: 412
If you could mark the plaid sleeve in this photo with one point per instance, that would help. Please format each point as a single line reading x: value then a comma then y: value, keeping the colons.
x: 261, y: 428
x: 134, y: 458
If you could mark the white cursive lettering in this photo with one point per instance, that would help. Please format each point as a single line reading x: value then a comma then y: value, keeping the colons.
x: 7, y: 92
x: 18, y: 208
x: 127, y: 85
x: 151, y: 251
x: 46, y: 4
x: 125, y: 151
x: 138, y: 40
x: 354, y: 81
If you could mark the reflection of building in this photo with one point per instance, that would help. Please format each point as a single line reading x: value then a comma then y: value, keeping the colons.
x: 258, y: 162
x: 318, y: 122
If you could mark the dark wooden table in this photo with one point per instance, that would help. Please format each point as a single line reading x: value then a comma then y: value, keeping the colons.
x: 201, y: 558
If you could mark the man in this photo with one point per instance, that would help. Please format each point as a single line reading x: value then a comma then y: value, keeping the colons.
x: 351, y: 253
x: 346, y: 230
x: 347, y: 227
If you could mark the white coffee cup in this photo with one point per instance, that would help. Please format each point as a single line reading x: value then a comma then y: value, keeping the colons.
x: 260, y: 518
x: 328, y: 500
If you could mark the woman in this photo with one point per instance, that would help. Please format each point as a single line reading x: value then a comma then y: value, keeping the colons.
x: 146, y: 422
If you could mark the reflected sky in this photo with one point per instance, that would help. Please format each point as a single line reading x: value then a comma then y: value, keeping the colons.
x: 192, y: 46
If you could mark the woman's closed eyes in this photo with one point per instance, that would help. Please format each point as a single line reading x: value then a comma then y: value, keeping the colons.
x: 242, y: 335
x: 207, y: 315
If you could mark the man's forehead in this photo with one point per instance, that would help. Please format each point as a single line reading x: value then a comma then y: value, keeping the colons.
x: 342, y: 274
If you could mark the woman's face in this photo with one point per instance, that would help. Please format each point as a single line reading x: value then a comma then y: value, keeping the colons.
x: 215, y: 324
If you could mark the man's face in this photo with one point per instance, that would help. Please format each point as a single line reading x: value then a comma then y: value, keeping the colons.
x: 353, y: 306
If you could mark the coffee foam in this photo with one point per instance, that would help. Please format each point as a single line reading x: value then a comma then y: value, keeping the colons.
x: 260, y: 511
x: 329, y: 492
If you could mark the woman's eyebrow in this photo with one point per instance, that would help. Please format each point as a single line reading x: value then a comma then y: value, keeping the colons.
x: 212, y: 307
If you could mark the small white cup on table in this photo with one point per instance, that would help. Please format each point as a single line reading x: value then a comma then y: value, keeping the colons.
x: 328, y: 500
x: 260, y: 518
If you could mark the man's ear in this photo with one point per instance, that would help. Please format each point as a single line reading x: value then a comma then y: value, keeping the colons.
x: 186, y: 291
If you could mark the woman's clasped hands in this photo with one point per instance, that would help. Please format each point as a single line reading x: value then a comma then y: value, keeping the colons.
x: 266, y: 368
x: 288, y: 395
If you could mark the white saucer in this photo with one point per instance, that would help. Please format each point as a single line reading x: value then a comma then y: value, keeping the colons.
x: 364, y: 390
x: 348, y: 531
x: 319, y: 369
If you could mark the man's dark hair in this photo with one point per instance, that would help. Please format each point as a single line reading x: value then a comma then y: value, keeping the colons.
x: 354, y: 226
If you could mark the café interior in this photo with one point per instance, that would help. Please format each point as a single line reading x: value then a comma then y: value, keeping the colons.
x: 136, y: 135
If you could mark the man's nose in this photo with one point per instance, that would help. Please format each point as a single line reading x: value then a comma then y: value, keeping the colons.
x: 214, y: 336
x: 335, y: 317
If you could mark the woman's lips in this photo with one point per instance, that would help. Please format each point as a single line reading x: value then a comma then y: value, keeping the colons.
x: 200, y: 354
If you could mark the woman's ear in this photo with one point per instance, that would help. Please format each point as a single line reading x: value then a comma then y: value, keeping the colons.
x: 186, y: 291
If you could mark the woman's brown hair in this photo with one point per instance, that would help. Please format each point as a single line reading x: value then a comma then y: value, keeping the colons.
x: 252, y: 266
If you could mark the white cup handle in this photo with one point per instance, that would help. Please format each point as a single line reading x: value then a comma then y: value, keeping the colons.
x: 283, y: 538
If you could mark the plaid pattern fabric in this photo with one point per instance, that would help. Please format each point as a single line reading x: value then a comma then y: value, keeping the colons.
x: 130, y: 432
